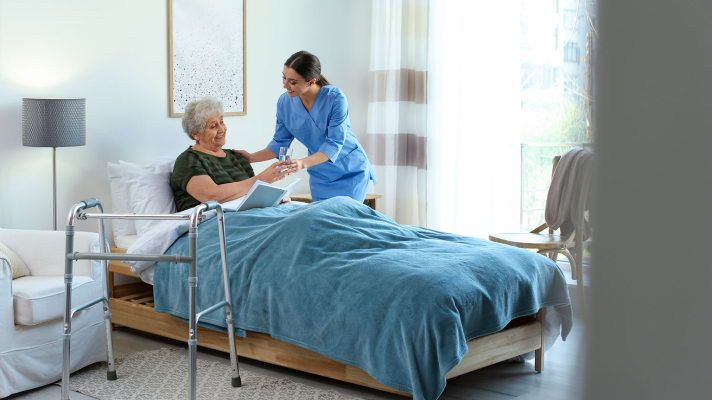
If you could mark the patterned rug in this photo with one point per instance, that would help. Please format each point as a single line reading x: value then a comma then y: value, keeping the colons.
x: 163, y: 374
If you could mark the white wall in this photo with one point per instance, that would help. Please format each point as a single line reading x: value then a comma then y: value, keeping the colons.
x: 115, y: 54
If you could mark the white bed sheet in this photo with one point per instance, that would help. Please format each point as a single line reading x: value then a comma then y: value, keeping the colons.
x: 147, y: 275
x: 126, y: 241
x: 161, y: 237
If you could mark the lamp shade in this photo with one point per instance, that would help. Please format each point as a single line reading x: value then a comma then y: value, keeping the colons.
x: 54, y: 122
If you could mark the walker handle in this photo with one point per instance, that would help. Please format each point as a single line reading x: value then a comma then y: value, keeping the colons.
x: 211, y: 205
x: 89, y: 203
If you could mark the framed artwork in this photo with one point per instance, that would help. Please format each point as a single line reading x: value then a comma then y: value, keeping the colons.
x: 206, y: 54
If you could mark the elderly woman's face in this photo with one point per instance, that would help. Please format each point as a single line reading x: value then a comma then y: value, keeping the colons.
x: 213, y: 136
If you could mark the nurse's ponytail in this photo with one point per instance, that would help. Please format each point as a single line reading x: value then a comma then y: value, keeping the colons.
x: 321, y: 80
x: 308, y: 66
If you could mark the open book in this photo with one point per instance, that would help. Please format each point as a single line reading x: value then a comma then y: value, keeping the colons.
x: 262, y: 194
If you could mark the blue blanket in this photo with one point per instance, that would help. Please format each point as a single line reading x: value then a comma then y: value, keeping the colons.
x: 343, y: 280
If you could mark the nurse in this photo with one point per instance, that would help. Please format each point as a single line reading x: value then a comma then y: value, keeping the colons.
x: 317, y: 114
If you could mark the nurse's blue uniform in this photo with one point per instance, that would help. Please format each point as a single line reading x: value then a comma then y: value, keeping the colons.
x: 326, y: 128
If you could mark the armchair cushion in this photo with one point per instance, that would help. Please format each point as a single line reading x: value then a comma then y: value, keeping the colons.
x: 38, y: 299
x: 44, y: 251
x: 18, y: 266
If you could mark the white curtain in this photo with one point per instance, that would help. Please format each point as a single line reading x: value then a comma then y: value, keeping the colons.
x: 397, y: 108
x: 473, y: 145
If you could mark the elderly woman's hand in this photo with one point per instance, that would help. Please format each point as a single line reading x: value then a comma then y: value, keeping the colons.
x: 273, y: 173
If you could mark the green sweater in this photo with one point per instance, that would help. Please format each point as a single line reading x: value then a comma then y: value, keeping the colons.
x: 233, y: 168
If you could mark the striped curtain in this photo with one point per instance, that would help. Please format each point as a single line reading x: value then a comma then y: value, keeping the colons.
x: 397, y: 107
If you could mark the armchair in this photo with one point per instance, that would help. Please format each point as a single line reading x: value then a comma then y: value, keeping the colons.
x: 32, y: 309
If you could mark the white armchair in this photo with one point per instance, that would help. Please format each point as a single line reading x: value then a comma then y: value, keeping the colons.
x: 32, y: 309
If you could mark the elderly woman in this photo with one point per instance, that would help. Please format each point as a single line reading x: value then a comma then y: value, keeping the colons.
x: 207, y: 172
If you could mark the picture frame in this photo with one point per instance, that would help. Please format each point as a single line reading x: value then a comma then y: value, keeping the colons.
x: 207, y: 54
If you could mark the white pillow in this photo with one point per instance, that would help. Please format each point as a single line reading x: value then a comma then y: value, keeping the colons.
x: 149, y: 190
x: 120, y: 203
x: 19, y: 268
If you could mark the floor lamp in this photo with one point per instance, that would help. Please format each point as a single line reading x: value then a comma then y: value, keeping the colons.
x: 54, y: 122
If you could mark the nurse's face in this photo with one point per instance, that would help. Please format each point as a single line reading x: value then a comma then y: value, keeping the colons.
x: 295, y: 83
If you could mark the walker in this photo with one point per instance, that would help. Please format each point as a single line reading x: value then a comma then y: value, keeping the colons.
x: 78, y: 211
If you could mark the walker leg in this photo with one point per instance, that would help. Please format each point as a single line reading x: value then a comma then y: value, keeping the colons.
x: 111, y: 368
x: 67, y: 326
x: 192, y: 328
x: 236, y: 380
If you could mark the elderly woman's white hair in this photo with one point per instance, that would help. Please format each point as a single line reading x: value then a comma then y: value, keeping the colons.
x: 198, y: 112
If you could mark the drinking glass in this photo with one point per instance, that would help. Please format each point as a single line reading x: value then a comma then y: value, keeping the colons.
x: 285, y: 154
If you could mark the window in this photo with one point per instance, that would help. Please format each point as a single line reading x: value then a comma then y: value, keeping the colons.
x: 570, y: 20
x: 525, y: 35
x: 539, y: 36
x: 572, y: 53
x: 554, y: 95
x: 570, y: 87
x: 528, y: 75
x: 552, y: 75
x: 556, y: 38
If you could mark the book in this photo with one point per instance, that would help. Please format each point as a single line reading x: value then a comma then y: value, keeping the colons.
x: 261, y: 195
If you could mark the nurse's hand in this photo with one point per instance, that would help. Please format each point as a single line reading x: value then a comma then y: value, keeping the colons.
x: 273, y: 173
x: 248, y: 156
x: 294, y: 165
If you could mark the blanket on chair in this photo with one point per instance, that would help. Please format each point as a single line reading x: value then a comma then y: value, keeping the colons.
x: 565, y: 192
x: 345, y: 281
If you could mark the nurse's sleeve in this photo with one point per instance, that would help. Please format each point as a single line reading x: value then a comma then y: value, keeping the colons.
x: 282, y: 137
x: 337, y: 129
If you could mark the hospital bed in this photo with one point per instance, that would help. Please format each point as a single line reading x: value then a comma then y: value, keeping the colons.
x: 133, y: 305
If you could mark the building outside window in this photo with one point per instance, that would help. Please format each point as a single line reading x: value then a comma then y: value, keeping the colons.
x: 572, y: 52
x: 556, y: 38
x: 570, y: 20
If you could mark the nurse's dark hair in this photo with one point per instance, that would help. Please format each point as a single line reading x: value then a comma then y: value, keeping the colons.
x: 308, y: 66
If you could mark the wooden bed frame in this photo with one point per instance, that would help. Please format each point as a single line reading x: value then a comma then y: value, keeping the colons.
x: 132, y: 306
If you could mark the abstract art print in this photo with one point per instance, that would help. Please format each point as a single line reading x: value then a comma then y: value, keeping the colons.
x: 206, y: 53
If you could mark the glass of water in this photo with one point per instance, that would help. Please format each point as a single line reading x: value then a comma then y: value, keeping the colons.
x: 285, y: 154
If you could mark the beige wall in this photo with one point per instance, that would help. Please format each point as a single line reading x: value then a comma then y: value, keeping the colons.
x: 115, y: 54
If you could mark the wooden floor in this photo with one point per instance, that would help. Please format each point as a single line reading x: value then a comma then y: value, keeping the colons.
x: 562, y: 378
